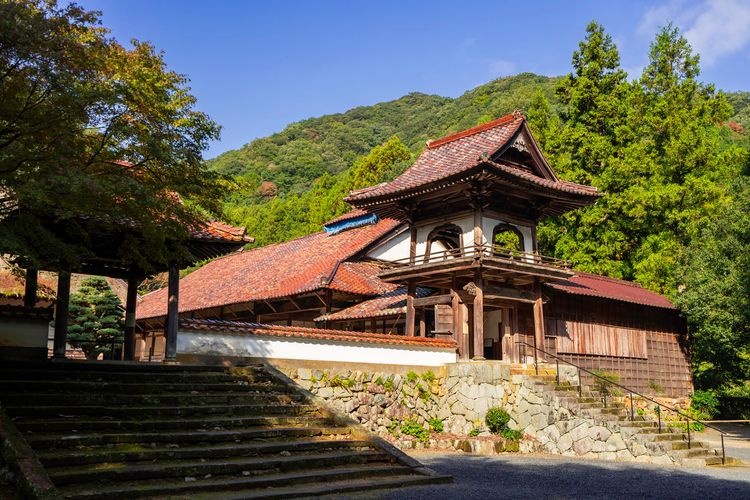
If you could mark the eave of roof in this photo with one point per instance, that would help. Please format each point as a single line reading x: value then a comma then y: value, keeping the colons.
x: 592, y: 285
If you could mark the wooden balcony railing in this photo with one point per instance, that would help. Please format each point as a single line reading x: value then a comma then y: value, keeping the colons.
x: 485, y: 251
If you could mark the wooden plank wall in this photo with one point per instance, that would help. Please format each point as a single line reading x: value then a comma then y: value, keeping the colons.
x: 644, y: 345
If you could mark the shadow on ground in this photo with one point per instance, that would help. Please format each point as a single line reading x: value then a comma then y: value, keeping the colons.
x: 543, y: 477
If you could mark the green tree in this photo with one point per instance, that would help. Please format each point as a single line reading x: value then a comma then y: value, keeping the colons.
x: 95, y: 318
x: 714, y: 284
x: 74, y: 105
x: 371, y: 169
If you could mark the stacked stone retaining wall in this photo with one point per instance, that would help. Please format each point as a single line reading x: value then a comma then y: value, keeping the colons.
x: 459, y: 395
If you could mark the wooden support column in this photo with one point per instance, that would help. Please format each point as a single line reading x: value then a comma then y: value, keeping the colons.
x: 538, y: 322
x: 62, y: 304
x: 422, y: 323
x: 130, y: 302
x: 478, y: 317
x: 410, y: 308
x: 30, y: 288
x: 173, y: 303
x: 478, y: 232
x: 412, y: 245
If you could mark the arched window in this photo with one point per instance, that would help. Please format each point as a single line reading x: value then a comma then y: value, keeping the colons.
x: 444, y: 242
x: 507, y: 239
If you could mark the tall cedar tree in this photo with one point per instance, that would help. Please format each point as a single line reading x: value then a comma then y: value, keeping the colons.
x: 95, y: 318
x: 74, y: 103
x: 653, y: 147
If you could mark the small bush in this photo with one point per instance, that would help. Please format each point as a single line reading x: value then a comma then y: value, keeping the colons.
x: 474, y: 432
x: 411, y: 377
x: 497, y: 419
x: 605, y: 386
x: 428, y: 376
x: 388, y: 385
x: 411, y: 427
x: 436, y: 424
x: 705, y: 404
x: 511, y: 434
x: 424, y: 394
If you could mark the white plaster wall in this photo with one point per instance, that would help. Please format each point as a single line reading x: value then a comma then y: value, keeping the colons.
x: 395, y: 249
x: 23, y: 333
x: 191, y: 342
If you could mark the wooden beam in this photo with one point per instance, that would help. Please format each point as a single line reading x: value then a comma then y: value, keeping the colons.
x: 458, y: 324
x: 270, y: 306
x: 410, y: 309
x: 432, y: 300
x: 173, y: 304
x: 130, y: 304
x: 478, y: 317
x: 30, y: 287
x: 412, y: 245
x: 478, y: 232
x: 61, y: 314
x: 538, y: 322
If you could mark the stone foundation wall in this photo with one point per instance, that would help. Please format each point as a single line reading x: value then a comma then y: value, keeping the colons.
x: 458, y: 396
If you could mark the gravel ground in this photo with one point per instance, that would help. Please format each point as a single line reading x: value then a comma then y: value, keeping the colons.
x: 548, y: 476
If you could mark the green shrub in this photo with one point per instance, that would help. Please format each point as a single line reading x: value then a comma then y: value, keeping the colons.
x: 388, y: 385
x: 511, y: 434
x: 411, y: 427
x: 604, y: 384
x: 436, y: 424
x: 474, y: 432
x: 424, y: 394
x: 705, y: 404
x: 428, y: 376
x: 411, y: 377
x: 497, y: 419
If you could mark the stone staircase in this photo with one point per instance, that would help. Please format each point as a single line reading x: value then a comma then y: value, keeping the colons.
x: 640, y: 437
x: 158, y: 431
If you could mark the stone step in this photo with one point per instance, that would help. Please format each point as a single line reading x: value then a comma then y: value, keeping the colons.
x: 69, y: 376
x: 47, y: 441
x: 258, y: 407
x: 122, y: 453
x: 256, y: 485
x: 657, y: 437
x: 23, y: 387
x: 171, y: 399
x: 330, y: 488
x: 285, y: 417
x: 133, y: 471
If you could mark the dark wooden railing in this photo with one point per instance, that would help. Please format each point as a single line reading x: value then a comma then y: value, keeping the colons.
x: 486, y: 251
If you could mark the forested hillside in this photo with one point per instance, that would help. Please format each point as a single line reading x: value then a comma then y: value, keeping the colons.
x: 669, y: 151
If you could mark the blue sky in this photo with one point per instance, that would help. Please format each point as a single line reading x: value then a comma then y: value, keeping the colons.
x: 257, y: 65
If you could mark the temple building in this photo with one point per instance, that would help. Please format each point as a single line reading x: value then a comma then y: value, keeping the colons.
x: 444, y: 257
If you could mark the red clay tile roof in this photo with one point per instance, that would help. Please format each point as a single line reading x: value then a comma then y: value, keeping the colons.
x: 593, y: 285
x: 360, y: 278
x: 215, y: 230
x: 12, y: 286
x: 388, y: 304
x: 458, y: 154
x: 312, y: 333
x: 285, y: 269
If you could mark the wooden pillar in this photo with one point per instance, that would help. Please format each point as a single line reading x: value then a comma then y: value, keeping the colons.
x: 412, y: 245
x: 173, y: 303
x: 478, y: 317
x: 538, y: 322
x: 62, y: 304
x: 130, y: 302
x: 30, y: 288
x: 422, y: 323
x: 478, y: 232
x: 468, y: 343
x: 410, y: 308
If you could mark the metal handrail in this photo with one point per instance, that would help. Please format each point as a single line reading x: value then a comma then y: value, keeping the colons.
x: 632, y: 392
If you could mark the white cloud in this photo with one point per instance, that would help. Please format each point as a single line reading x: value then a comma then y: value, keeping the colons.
x: 714, y: 28
x: 502, y: 67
